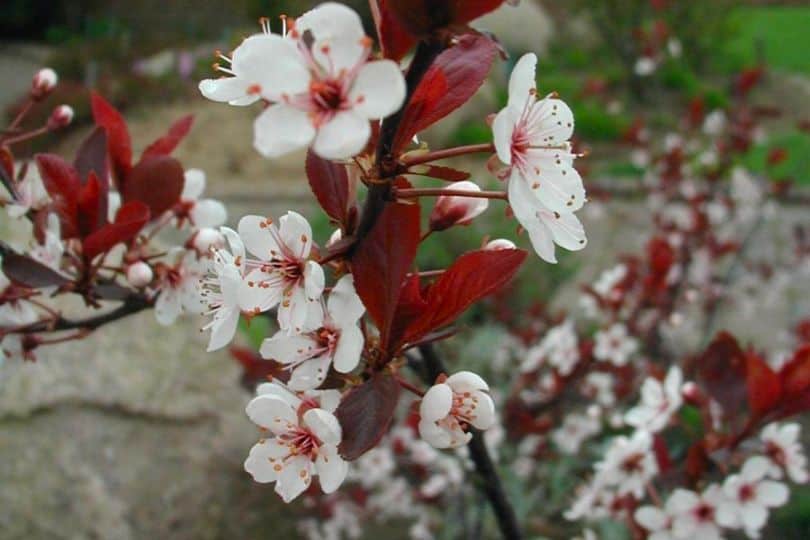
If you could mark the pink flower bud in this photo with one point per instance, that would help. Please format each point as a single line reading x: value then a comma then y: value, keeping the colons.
x: 139, y: 274
x: 43, y: 83
x: 60, y: 117
x: 455, y: 209
x: 205, y: 239
x: 499, y: 244
x: 692, y: 393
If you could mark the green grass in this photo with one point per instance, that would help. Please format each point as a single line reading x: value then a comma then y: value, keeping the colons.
x: 783, y: 32
x: 797, y: 164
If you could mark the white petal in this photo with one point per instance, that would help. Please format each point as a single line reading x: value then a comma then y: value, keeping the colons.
x: 465, y: 381
x: 288, y: 349
x: 554, y: 124
x: 277, y: 390
x: 331, y: 468
x: 314, y: 280
x: 294, y: 310
x: 342, y: 137
x: 755, y: 468
x: 331, y: 20
x: 344, y: 305
x: 194, y: 184
x: 484, y: 411
x: 753, y: 517
x: 682, y: 500
x: 234, y: 242
x: 310, y: 374
x: 522, y: 80
x: 329, y: 400
x: 349, y: 347
x: 651, y: 518
x: 209, y: 213
x: 272, y: 412
x: 339, y: 54
x: 557, y: 185
x: 168, y: 306
x: 231, y: 90
x: 274, y: 64
x: 526, y: 208
x: 294, y: 479
x: 434, y: 435
x: 436, y: 403
x: 224, y: 329
x: 770, y: 493
x: 296, y: 233
x: 255, y: 233
x: 502, y: 128
x: 323, y: 425
x: 263, y: 460
x: 378, y: 91
x: 282, y: 129
x: 254, y: 298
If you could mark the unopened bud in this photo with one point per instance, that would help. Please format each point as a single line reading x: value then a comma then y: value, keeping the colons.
x: 499, y: 244
x: 336, y: 236
x: 206, y: 239
x: 60, y: 117
x: 139, y: 274
x: 692, y: 394
x: 43, y: 83
x: 456, y: 209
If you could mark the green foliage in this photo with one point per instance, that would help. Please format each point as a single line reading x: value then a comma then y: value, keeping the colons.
x: 595, y: 123
x: 797, y: 164
x: 776, y: 34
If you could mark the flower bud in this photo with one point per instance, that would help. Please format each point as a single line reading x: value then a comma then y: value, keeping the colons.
x: 60, y: 117
x: 206, y: 239
x: 499, y: 244
x: 692, y: 394
x: 139, y: 274
x: 43, y: 83
x: 455, y: 209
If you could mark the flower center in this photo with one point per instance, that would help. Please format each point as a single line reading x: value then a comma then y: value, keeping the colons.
x: 301, y: 442
x: 633, y: 463
x: 327, y: 95
x: 746, y: 493
x: 704, y: 512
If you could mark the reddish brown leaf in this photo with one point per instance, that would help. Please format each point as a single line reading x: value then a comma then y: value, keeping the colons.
x: 395, y: 41
x: 155, y: 181
x: 62, y: 183
x: 448, y: 174
x: 28, y: 272
x: 473, y: 276
x: 329, y: 182
x: 365, y: 414
x: 6, y: 164
x: 256, y: 369
x: 166, y: 144
x: 129, y: 220
x: 381, y: 262
x: 118, y: 141
x: 87, y: 216
x: 764, y: 386
x: 453, y: 78
x: 422, y: 17
x: 92, y: 158
x: 721, y: 371
x: 465, y: 11
x: 795, y: 375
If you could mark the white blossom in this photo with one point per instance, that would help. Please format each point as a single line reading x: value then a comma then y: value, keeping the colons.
x: 783, y: 448
x: 614, y: 345
x: 659, y: 401
x: 447, y: 408
x: 748, y: 496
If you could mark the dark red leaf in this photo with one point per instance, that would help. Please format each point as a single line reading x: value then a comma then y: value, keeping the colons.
x: 118, y: 141
x: 453, y: 78
x: 88, y: 217
x: 662, y: 455
x: 365, y: 413
x: 256, y: 369
x: 166, y: 144
x: 92, y: 158
x: 6, y: 164
x: 62, y: 183
x: 381, y: 262
x: 155, y: 181
x: 395, y: 40
x: 28, y: 272
x: 129, y: 220
x: 465, y: 11
x: 721, y: 371
x: 473, y: 276
x: 764, y: 386
x: 329, y: 182
x: 795, y: 374
x: 422, y: 17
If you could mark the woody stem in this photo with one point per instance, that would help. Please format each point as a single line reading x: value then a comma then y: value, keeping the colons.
x: 418, y: 159
x: 412, y: 193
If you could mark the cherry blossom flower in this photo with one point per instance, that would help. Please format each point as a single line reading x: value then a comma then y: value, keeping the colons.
x: 283, y: 276
x: 450, y: 406
x: 614, y: 345
x: 695, y: 515
x: 531, y: 138
x: 305, y: 437
x: 783, y: 448
x: 599, y: 385
x: 322, y: 89
x: 629, y: 464
x: 178, y: 286
x: 30, y: 194
x: 575, y: 430
x: 201, y: 212
x: 656, y: 521
x: 452, y: 210
x: 333, y: 338
x: 559, y: 347
x: 659, y: 401
x: 749, y: 495
x: 220, y: 290
x: 15, y: 310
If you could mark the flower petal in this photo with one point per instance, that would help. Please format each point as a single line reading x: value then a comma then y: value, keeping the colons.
x: 231, y: 90
x: 272, y: 412
x: 208, y: 213
x: 310, y: 374
x: 436, y: 403
x: 349, y: 347
x: 344, y: 136
x: 378, y: 91
x: 522, y: 81
x: 255, y: 233
x: 332, y: 469
x: 344, y: 305
x: 294, y: 478
x: 466, y: 381
x: 288, y: 349
x: 264, y: 460
x: 296, y: 233
x: 282, y: 129
x: 193, y: 185
x: 323, y: 425
x: 272, y: 65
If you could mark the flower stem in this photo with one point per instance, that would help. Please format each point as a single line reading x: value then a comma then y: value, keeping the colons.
x: 427, y: 157
x: 491, y: 483
x: 410, y: 387
x: 412, y: 193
